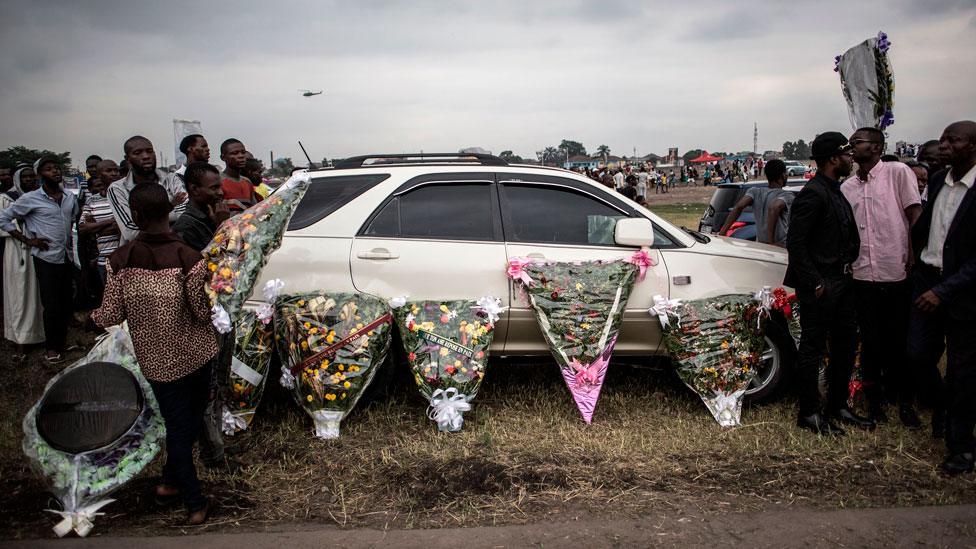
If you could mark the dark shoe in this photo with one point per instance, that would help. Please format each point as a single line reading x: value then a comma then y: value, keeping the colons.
x: 956, y: 464
x: 847, y: 417
x: 165, y: 495
x: 819, y: 424
x: 908, y: 416
x: 198, y: 517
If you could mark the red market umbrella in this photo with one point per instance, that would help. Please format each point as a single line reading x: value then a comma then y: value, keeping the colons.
x: 705, y: 157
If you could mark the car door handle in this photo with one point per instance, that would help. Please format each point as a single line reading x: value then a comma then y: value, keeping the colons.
x: 535, y: 255
x: 377, y: 253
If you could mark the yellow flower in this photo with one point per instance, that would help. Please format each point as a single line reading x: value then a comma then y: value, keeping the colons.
x: 584, y: 326
x: 330, y: 396
x: 725, y: 344
x: 301, y: 302
x: 343, y: 395
x: 457, y: 363
x: 444, y: 351
x: 330, y: 338
x: 229, y: 289
x: 464, y: 370
x: 313, y: 330
x: 346, y: 384
x: 579, y: 287
x: 354, y: 368
x: 324, y: 364
x: 444, y: 308
x: 226, y: 272
x: 212, y: 267
x: 304, y: 345
x: 307, y: 325
x: 309, y: 398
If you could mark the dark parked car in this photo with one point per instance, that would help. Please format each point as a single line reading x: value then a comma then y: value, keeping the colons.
x: 724, y: 199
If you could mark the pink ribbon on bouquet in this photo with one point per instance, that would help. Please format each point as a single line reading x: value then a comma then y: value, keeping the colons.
x: 643, y: 260
x: 516, y: 272
x: 588, y: 375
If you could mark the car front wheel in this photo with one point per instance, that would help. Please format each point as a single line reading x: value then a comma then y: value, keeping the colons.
x: 776, y: 361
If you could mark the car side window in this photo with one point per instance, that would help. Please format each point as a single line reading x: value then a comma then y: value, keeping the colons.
x: 325, y: 195
x: 558, y: 215
x: 450, y: 211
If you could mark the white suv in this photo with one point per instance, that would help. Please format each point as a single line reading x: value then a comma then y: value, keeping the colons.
x: 444, y: 226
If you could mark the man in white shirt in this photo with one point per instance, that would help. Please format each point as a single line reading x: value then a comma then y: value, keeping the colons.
x: 943, y: 314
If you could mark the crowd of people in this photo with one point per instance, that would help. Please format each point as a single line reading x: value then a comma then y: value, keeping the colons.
x: 883, y: 254
x: 128, y: 245
x: 878, y: 255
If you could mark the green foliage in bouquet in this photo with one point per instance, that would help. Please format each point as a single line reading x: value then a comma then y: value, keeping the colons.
x: 330, y: 346
x: 580, y: 305
x: 241, y: 247
x: 717, y: 343
x: 253, y: 347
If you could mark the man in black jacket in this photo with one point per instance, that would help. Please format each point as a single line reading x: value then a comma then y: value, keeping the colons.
x: 822, y: 243
x: 944, y: 284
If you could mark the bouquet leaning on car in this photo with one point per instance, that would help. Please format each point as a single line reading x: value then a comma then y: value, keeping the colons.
x: 330, y: 346
x: 446, y: 345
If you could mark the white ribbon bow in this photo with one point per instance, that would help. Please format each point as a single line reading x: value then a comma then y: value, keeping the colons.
x: 446, y: 408
x: 270, y: 291
x: 765, y: 299
x: 287, y: 380
x: 491, y: 306
x: 231, y: 422
x: 397, y: 302
x: 220, y: 319
x: 664, y: 307
x: 79, y: 520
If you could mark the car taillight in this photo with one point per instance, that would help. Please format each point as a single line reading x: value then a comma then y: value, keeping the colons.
x: 735, y: 226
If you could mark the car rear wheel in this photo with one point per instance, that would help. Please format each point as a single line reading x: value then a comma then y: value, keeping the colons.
x: 776, y: 362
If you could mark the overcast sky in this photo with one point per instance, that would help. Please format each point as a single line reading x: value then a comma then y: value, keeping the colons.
x: 437, y: 75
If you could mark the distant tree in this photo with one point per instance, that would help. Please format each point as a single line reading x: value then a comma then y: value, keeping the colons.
x: 722, y: 154
x: 693, y: 153
x: 548, y: 155
x: 798, y: 150
x: 23, y: 155
x: 603, y: 150
x: 282, y: 167
x: 574, y: 148
x: 510, y: 157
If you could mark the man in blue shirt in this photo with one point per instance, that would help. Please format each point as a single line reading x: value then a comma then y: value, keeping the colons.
x: 47, y: 214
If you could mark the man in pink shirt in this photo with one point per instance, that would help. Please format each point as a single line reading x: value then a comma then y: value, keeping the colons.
x: 884, y: 197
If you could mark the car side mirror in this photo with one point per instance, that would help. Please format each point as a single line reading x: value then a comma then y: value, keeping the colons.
x: 634, y: 231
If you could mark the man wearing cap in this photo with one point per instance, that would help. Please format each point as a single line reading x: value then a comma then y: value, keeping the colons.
x: 48, y: 214
x: 822, y: 244
x: 884, y: 197
x: 943, y: 315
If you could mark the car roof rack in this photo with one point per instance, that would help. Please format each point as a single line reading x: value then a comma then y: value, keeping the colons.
x: 419, y: 158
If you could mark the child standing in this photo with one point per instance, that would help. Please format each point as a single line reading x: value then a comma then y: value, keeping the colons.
x: 155, y: 282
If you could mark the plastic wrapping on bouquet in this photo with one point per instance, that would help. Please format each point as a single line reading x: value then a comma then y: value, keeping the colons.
x: 327, y: 423
x: 726, y: 408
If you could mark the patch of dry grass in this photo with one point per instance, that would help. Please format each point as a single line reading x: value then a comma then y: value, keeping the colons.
x: 524, y: 455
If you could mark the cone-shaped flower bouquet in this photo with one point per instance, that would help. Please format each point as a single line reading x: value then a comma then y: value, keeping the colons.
x: 253, y: 347
x: 717, y: 345
x: 446, y: 345
x: 331, y: 346
x: 579, y: 307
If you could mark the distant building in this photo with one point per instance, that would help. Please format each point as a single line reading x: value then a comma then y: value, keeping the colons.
x: 581, y: 161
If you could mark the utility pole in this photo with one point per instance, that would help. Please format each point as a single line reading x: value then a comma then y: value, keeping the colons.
x: 755, y: 137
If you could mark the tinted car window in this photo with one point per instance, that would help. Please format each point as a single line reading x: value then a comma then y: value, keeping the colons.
x: 327, y: 194
x: 456, y: 211
x: 562, y: 216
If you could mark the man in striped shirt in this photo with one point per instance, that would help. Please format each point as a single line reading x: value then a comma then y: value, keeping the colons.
x: 141, y: 156
x: 96, y: 214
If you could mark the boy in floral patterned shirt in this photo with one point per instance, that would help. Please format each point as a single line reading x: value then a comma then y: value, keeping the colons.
x: 155, y: 282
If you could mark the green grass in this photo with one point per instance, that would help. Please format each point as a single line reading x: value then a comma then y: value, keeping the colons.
x: 686, y: 215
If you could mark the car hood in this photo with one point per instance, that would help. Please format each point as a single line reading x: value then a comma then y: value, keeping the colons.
x: 742, y: 249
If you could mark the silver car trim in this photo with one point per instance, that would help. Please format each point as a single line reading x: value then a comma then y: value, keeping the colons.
x: 439, y: 182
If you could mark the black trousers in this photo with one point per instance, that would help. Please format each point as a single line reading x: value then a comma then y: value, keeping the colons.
x: 929, y: 335
x: 827, y: 320
x: 181, y: 402
x: 882, y: 317
x: 54, y: 282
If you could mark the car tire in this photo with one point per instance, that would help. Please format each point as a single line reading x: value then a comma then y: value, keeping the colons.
x: 779, y: 354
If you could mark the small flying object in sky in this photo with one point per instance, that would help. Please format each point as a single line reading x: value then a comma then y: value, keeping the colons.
x: 310, y: 93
